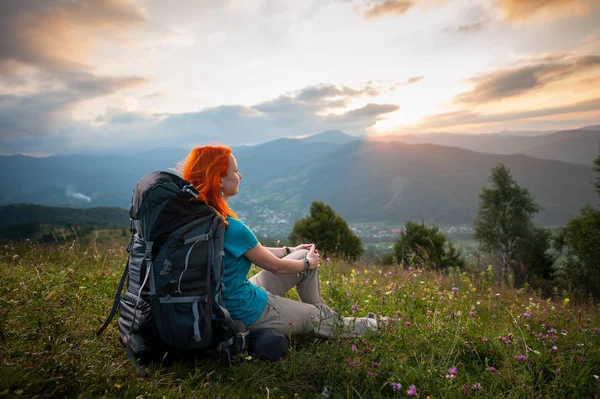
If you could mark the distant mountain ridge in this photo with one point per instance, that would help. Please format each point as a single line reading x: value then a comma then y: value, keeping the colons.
x: 374, y: 181
x: 331, y: 136
x: 577, y: 146
x: 368, y: 180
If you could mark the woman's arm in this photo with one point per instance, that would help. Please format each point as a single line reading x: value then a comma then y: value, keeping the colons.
x: 280, y: 251
x: 265, y: 259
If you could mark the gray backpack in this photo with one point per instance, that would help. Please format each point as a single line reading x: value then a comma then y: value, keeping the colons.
x: 173, y: 300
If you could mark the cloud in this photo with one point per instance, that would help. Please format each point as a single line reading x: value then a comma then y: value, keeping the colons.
x: 45, y: 50
x: 465, y: 118
x: 319, y: 98
x: 521, y: 10
x: 38, y: 114
x: 414, y: 79
x: 59, y: 35
x: 326, y: 91
x: 368, y: 112
x: 388, y: 8
x: 117, y: 116
x: 74, y: 194
x: 305, y: 111
x: 522, y: 79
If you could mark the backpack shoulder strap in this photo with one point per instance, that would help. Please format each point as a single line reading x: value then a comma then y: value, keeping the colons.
x: 115, y: 306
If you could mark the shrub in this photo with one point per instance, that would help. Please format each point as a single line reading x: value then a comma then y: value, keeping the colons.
x: 328, y: 231
x: 426, y: 245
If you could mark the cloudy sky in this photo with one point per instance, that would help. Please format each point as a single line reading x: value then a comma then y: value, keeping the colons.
x: 102, y: 75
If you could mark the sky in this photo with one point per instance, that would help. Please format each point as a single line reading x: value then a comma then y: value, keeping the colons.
x: 81, y: 76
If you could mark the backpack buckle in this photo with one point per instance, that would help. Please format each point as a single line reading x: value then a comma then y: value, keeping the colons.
x: 242, y: 338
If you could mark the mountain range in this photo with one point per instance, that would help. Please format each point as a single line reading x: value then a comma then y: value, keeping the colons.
x: 435, y: 177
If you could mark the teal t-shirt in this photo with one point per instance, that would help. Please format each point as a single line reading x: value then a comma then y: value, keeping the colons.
x: 244, y: 300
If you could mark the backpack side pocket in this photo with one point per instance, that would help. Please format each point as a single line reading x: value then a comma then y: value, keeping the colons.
x: 134, y: 317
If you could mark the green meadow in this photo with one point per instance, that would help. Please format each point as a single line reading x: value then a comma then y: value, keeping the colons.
x: 452, y: 335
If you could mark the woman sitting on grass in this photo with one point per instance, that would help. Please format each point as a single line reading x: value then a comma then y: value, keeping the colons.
x: 259, y: 302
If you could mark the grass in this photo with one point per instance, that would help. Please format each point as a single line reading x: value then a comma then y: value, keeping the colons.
x: 452, y: 335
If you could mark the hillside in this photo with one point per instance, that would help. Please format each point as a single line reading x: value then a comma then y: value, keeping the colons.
x: 364, y: 180
x: 28, y: 220
x: 448, y: 331
x: 577, y: 146
x: 371, y: 181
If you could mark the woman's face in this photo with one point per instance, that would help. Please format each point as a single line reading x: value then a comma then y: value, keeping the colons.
x: 231, y: 181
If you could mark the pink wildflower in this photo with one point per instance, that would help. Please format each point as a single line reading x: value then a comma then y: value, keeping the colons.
x: 412, y: 391
x: 492, y: 369
x: 452, y: 371
x: 396, y: 386
x: 521, y: 358
x: 354, y: 348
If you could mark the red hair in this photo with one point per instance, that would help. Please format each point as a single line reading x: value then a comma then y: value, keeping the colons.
x: 204, y: 167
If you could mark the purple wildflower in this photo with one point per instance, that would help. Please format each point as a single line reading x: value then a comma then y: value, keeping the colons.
x: 526, y: 314
x: 412, y: 391
x: 452, y: 371
x: 476, y: 386
x: 497, y: 294
x: 492, y: 369
x: 354, y: 307
x: 354, y: 348
x: 454, y: 289
x: 375, y: 365
x: 554, y: 348
x: 396, y: 386
x: 521, y: 358
x: 407, y: 324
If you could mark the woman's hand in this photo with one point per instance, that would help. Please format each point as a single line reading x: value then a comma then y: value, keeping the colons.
x: 301, y: 246
x: 313, y: 257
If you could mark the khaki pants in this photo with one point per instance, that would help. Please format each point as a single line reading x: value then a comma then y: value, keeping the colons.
x: 311, y: 315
